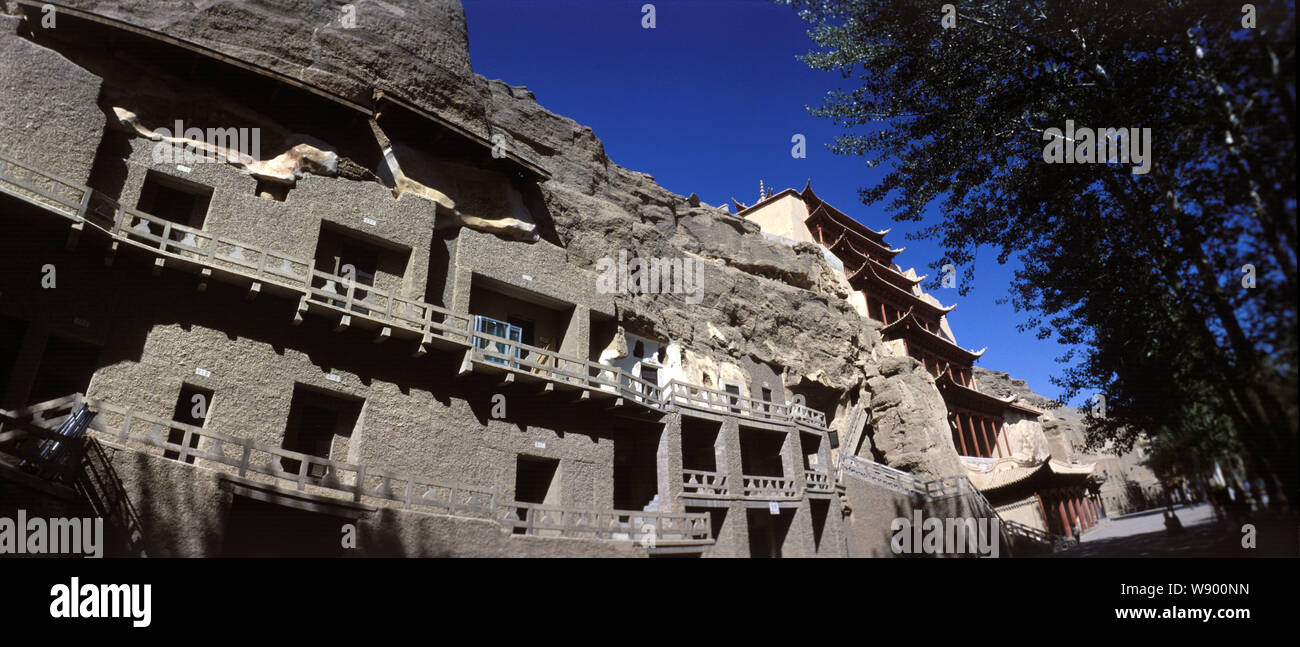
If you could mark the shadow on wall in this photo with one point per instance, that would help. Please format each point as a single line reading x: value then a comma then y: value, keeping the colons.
x: 101, y: 487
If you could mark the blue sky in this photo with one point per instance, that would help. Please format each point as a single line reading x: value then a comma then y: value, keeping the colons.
x: 707, y: 102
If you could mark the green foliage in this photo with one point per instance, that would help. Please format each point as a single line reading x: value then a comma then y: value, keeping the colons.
x: 1141, y: 271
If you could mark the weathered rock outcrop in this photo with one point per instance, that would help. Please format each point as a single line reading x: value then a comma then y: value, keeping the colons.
x: 1062, y: 425
x: 763, y: 301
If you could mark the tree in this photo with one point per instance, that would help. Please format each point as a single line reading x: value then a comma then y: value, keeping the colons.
x: 1147, y: 270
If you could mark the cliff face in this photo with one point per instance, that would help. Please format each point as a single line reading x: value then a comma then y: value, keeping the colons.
x: 763, y: 301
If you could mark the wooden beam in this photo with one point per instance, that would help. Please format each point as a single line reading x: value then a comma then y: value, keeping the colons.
x: 466, y: 363
x: 205, y: 274
x: 112, y: 251
x: 158, y: 264
x: 344, y: 323
x: 384, y: 334
x: 253, y: 290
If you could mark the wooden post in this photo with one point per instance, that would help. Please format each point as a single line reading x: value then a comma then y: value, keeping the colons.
x: 960, y: 435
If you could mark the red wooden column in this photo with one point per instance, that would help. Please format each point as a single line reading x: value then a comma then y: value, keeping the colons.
x: 961, y: 435
x: 984, y: 427
x: 1065, y: 518
x: 1042, y: 509
x: 974, y: 438
x: 1002, y: 431
x: 1078, y: 516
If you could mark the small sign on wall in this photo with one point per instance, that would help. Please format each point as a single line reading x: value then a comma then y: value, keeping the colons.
x: 539, y: 445
x: 202, y: 372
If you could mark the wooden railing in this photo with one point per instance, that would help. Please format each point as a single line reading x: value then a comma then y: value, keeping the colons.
x: 648, y: 528
x: 887, y: 477
x: 261, y: 463
x: 702, y: 397
x: 44, y: 189
x: 1018, y: 529
x: 349, y: 297
x: 702, y: 483
x: 810, y: 417
x: 253, y: 262
x: 256, y: 461
x: 565, y: 369
x: 816, y: 481
x: 769, y: 487
x: 260, y: 265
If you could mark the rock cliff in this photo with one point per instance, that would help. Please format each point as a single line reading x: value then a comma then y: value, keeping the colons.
x: 764, y: 301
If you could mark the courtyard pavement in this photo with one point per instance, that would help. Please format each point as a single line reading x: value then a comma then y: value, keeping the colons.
x: 1144, y: 535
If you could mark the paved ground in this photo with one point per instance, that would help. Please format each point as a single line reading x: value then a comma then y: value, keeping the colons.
x: 1144, y: 535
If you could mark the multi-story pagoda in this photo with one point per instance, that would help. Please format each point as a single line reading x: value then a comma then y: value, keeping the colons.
x: 990, y: 434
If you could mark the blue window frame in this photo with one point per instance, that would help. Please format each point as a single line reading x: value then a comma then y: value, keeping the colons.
x: 490, y: 326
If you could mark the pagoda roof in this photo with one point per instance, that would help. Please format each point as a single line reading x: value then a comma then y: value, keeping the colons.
x: 823, y: 207
x: 987, y: 475
x: 979, y: 400
x: 867, y: 272
x: 946, y: 348
x: 846, y: 240
x: 991, y: 475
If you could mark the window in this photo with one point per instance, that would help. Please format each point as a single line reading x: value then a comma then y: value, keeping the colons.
x: 320, y: 424
x: 192, y: 406
x: 535, y: 483
x: 650, y: 374
x: 734, y: 390
x: 767, y: 398
x: 345, y: 258
x: 174, y: 200
x: 700, y: 444
x: 489, y: 326
x: 760, y: 452
x: 636, y: 468
x: 526, y: 331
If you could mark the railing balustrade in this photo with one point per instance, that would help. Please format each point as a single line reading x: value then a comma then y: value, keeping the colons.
x: 816, y: 481
x: 702, y: 483
x: 645, y: 527
x: 769, y: 487
x: 259, y: 462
